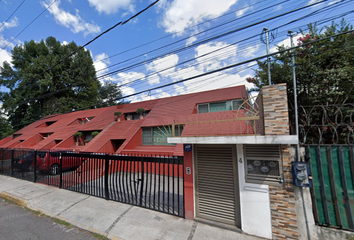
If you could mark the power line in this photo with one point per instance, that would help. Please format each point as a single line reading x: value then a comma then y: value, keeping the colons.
x: 226, y: 68
x: 28, y: 25
x: 60, y: 90
x: 100, y: 35
x: 201, y: 32
x: 227, y: 33
x: 12, y: 14
x: 210, y: 72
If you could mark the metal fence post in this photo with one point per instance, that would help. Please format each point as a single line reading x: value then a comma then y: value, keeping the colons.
x: 35, y: 166
x: 106, y: 169
x: 142, y: 180
x: 12, y: 163
x: 61, y: 171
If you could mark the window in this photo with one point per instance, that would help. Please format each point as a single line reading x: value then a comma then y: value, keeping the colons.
x: 136, y: 116
x: 203, y: 108
x: 220, y: 106
x: 159, y: 135
x: 263, y: 164
x: 50, y: 123
x: 83, y: 121
x: 46, y: 124
x: 238, y: 104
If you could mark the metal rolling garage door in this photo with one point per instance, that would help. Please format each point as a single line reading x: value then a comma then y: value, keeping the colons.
x: 217, y: 195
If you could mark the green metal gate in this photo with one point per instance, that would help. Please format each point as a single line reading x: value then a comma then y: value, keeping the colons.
x: 332, y: 168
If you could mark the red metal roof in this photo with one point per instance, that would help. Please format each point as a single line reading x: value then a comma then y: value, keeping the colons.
x: 164, y: 111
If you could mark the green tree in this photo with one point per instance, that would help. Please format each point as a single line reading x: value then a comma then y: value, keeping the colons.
x: 324, y: 69
x: 5, y: 127
x: 36, y: 90
x: 108, y: 92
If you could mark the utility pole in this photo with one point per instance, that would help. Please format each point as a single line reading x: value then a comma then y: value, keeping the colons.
x: 265, y: 30
x: 291, y: 34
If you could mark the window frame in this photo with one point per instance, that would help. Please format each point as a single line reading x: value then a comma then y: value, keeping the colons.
x: 261, y: 156
x: 178, y: 129
x: 224, y: 101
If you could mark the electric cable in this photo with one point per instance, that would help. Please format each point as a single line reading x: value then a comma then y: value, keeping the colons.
x: 28, y: 25
x: 12, y: 14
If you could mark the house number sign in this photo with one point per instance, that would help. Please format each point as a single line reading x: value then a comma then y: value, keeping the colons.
x: 187, y: 147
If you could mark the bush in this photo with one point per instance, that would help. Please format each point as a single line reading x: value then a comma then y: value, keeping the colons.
x: 95, y: 133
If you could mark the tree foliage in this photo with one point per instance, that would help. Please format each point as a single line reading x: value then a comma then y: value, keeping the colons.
x: 108, y: 93
x: 324, y: 69
x: 5, y: 127
x: 36, y: 90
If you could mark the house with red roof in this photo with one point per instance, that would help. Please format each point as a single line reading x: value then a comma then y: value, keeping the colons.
x: 237, y: 151
x: 129, y: 132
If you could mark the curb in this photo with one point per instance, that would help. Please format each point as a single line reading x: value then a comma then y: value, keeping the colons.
x: 14, y: 199
x: 24, y: 203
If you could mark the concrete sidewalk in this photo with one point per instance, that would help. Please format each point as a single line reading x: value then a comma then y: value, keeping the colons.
x: 112, y: 219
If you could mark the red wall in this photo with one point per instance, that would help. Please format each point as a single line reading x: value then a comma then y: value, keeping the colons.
x: 107, y: 148
x: 134, y: 141
x: 188, y: 185
x: 68, y: 143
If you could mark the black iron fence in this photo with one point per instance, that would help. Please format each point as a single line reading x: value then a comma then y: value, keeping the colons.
x: 154, y: 182
x: 332, y: 168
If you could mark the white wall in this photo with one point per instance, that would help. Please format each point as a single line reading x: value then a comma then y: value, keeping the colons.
x: 254, y: 203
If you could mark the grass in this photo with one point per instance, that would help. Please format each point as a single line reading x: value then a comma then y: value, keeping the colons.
x: 99, y: 236
x: 62, y: 222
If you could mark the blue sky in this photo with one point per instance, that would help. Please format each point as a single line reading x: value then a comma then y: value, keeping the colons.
x: 171, y: 41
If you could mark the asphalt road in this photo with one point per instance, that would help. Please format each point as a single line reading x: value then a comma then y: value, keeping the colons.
x: 17, y: 223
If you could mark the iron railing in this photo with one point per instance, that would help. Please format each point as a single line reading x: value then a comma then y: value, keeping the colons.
x: 154, y: 182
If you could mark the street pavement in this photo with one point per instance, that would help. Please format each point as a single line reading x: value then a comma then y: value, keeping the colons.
x: 111, y: 219
x: 18, y: 223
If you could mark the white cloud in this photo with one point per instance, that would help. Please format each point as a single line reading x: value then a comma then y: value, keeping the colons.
x: 111, y: 6
x: 74, y: 22
x: 213, y: 81
x: 242, y: 11
x: 11, y: 24
x: 163, y: 63
x: 5, y: 43
x: 153, y: 79
x: 124, y: 78
x: 251, y: 50
x: 162, y: 94
x: 214, y: 60
x: 181, y: 14
x: 127, y: 90
x: 5, y: 56
x: 218, y: 55
x: 285, y: 42
x: 100, y: 63
x: 191, y: 40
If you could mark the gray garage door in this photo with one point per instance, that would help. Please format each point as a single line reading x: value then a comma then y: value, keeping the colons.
x: 217, y: 196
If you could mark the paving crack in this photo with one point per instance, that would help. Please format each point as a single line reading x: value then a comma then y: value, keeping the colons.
x: 191, y: 235
x: 44, y: 194
x: 72, y: 205
x: 118, y: 219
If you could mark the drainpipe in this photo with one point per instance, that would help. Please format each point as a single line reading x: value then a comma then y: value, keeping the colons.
x: 291, y: 34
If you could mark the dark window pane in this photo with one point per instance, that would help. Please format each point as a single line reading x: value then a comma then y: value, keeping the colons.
x: 203, y: 108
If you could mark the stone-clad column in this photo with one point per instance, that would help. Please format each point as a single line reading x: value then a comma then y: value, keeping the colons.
x: 275, y: 110
x: 282, y: 197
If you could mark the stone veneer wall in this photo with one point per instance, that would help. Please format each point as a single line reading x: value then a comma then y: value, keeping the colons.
x: 282, y: 197
x: 275, y: 110
x: 282, y: 203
